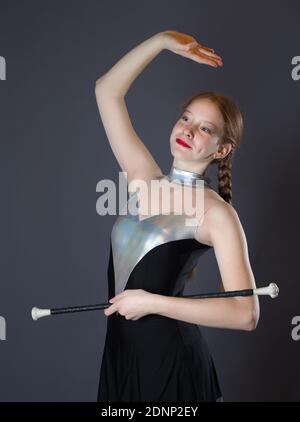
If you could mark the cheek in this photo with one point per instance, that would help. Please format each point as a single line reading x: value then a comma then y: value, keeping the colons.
x: 177, y: 127
x: 174, y: 133
x: 214, y: 140
x: 204, y: 142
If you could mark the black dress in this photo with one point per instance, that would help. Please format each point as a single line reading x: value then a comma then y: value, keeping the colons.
x: 154, y: 358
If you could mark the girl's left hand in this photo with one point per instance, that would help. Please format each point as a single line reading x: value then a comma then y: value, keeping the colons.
x: 132, y: 304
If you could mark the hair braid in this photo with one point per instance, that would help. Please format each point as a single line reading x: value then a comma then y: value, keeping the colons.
x: 224, y: 178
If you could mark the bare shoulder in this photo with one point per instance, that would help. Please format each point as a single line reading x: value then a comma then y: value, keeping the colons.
x: 223, y: 225
x: 218, y: 215
x: 220, y: 212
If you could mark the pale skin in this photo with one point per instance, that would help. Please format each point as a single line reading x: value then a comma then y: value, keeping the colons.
x: 201, y: 126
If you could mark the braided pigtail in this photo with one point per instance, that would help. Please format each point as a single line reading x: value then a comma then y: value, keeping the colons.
x: 224, y: 178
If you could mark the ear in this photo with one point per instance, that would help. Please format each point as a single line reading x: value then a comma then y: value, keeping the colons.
x: 223, y: 151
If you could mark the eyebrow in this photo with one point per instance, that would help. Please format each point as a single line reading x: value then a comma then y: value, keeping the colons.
x: 204, y: 120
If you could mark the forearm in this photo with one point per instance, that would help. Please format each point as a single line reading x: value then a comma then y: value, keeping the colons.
x: 232, y: 313
x: 120, y: 77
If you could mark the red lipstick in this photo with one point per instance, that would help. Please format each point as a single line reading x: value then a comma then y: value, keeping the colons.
x: 181, y: 142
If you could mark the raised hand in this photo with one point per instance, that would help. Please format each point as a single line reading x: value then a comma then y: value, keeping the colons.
x: 187, y: 46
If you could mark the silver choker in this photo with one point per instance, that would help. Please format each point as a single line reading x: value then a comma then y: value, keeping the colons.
x: 186, y: 177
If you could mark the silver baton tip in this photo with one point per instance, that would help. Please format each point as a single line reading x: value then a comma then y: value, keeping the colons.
x: 37, y: 313
x: 271, y: 290
x: 274, y: 290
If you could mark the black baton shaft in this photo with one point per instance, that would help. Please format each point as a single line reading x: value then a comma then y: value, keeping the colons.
x: 72, y: 309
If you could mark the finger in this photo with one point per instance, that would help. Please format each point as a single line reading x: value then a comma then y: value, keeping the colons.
x: 197, y: 54
x: 218, y: 62
x: 113, y: 299
x: 200, y: 50
x: 213, y: 58
x: 110, y: 310
x: 206, y: 48
x: 200, y: 46
x: 211, y: 54
x: 200, y: 58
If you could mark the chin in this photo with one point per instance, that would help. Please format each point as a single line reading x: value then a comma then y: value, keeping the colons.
x: 179, y: 152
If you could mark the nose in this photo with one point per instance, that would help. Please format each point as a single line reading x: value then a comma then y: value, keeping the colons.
x: 187, y: 132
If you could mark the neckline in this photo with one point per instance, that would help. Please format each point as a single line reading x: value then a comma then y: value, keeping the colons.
x: 149, y: 218
x: 187, y: 178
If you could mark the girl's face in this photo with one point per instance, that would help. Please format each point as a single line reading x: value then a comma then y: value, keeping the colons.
x: 200, y: 127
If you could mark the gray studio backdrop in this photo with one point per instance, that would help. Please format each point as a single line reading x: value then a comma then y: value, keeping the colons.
x: 54, y: 151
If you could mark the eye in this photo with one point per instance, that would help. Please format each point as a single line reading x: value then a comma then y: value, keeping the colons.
x: 209, y: 131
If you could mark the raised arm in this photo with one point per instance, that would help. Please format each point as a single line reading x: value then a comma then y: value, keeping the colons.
x: 120, y: 77
x: 111, y: 88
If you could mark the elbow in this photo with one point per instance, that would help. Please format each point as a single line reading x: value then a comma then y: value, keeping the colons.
x: 251, y: 325
x: 251, y: 320
x: 103, y: 89
x: 98, y: 84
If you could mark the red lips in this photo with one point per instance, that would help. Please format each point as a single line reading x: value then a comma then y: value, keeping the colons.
x: 183, y: 143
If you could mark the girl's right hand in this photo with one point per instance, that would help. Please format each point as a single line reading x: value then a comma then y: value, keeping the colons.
x: 187, y: 46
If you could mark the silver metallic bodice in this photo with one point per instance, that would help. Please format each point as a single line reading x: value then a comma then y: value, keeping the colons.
x: 132, y: 239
